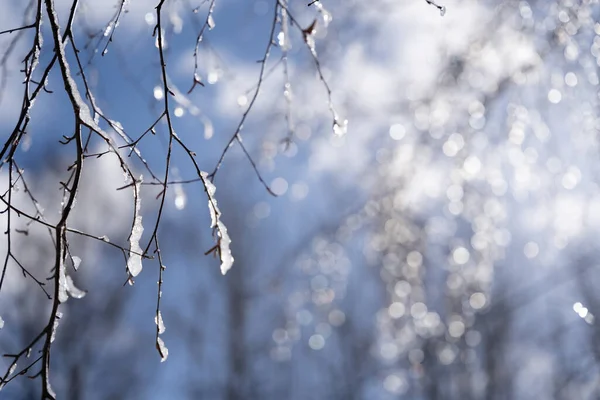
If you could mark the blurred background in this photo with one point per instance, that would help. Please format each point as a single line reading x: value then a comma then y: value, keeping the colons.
x: 444, y: 247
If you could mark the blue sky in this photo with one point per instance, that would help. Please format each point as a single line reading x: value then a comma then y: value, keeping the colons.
x: 466, y: 177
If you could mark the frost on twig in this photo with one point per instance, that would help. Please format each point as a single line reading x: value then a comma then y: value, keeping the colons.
x: 76, y: 262
x: 222, y: 248
x: 62, y: 284
x: 81, y: 109
x: 160, y: 325
x: 67, y: 287
x: 160, y: 344
x: 162, y: 349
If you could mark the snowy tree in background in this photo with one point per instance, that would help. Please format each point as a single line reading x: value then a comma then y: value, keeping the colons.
x: 482, y: 223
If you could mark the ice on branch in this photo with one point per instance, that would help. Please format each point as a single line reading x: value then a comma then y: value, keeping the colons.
x: 73, y: 290
x: 325, y: 15
x: 223, y: 241
x: 76, y: 262
x: 159, y: 323
x: 162, y: 349
x: 63, y: 296
x: 340, y: 127
x: 66, y: 286
x: 309, y: 37
x: 134, y: 263
x: 80, y: 107
x: 55, y: 326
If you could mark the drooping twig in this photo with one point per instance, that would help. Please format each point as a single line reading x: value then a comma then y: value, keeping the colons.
x: 208, y: 23
x: 167, y: 114
x: 160, y: 325
x: 263, y: 63
x: 339, y: 124
x: 81, y: 114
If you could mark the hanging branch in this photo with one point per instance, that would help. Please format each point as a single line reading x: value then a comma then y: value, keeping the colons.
x: 340, y: 126
x: 236, y: 135
x: 158, y: 31
x: 82, y: 118
x: 88, y: 118
x: 158, y: 320
x: 208, y: 23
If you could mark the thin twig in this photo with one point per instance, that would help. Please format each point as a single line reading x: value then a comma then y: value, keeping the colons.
x: 236, y: 134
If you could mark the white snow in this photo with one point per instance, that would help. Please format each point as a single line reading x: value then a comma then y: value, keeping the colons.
x: 134, y: 263
x: 224, y: 241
